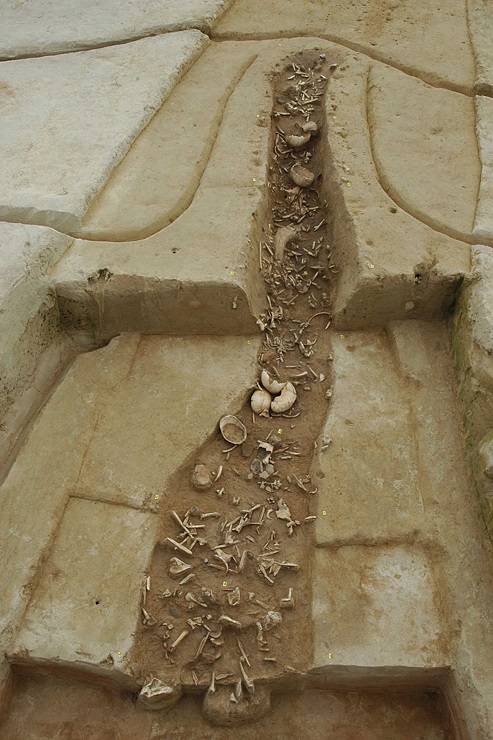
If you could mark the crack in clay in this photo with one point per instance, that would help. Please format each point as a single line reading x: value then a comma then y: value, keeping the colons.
x: 186, y: 200
x: 352, y: 46
x: 408, y: 208
x: 208, y: 31
x: 192, y: 25
x: 93, y: 496
x: 28, y: 424
x: 88, y: 447
x: 81, y: 48
x: 178, y: 210
x: 32, y: 585
x: 477, y: 139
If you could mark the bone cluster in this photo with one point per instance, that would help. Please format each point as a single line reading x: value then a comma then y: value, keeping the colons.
x: 273, y: 396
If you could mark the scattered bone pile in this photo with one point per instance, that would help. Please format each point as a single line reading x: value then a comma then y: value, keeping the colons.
x: 227, y: 598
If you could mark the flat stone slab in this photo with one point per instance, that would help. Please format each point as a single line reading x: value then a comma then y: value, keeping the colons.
x: 48, y: 26
x: 422, y: 39
x: 422, y: 137
x: 376, y: 608
x: 86, y: 605
x: 70, y: 141
x: 369, y: 490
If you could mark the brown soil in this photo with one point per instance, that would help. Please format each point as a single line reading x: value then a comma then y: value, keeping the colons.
x: 296, y: 348
x: 43, y: 709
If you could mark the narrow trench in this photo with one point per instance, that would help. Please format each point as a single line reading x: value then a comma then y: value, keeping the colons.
x: 237, y: 615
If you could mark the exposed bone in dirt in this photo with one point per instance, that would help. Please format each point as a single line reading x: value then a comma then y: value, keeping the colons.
x: 227, y: 598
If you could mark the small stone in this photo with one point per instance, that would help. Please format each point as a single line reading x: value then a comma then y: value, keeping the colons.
x: 234, y: 597
x: 256, y: 466
x: 272, y: 619
x: 267, y: 472
x: 201, y: 477
x: 310, y: 127
x: 263, y: 455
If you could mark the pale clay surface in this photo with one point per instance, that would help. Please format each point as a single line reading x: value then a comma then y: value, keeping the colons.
x: 48, y: 26
x: 86, y: 606
x: 363, y: 596
x: 369, y: 421
x: 409, y: 174
x: 413, y: 360
x: 421, y: 38
x: 483, y: 227
x: 99, y: 101
x: 136, y: 201
x: 407, y: 116
x: 28, y: 320
x: 480, y: 17
x: 72, y: 448
x: 389, y: 245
